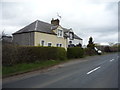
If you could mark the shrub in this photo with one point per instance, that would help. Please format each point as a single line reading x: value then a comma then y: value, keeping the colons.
x: 61, y: 54
x: 75, y: 52
x: 9, y: 54
x: 20, y: 54
x: 107, y: 49
x: 89, y: 51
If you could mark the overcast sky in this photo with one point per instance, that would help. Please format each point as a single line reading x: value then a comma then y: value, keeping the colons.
x: 96, y: 18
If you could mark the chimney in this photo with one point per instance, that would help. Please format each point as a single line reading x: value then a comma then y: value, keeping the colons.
x: 55, y: 21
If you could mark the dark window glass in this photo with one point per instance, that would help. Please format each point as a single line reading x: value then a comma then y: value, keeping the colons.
x: 60, y: 45
x: 42, y: 42
x: 57, y: 45
x: 49, y: 44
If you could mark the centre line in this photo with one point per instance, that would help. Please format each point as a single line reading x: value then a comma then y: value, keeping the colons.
x: 112, y: 60
x: 93, y: 70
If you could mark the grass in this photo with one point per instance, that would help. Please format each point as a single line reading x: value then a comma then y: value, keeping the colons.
x: 26, y: 67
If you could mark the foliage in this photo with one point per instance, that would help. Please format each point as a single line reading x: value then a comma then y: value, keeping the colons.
x: 26, y: 67
x: 13, y: 54
x: 107, y: 49
x: 89, y: 52
x: 75, y: 52
x: 119, y: 48
x: 91, y: 45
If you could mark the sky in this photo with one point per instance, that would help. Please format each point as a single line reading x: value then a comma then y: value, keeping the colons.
x: 87, y: 18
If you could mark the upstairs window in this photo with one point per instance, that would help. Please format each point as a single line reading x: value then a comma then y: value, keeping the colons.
x: 60, y: 33
x: 71, y: 35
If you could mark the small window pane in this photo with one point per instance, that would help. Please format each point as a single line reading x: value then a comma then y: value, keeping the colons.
x: 57, y: 45
x: 60, y: 45
x: 42, y: 43
x: 60, y: 33
x: 49, y: 44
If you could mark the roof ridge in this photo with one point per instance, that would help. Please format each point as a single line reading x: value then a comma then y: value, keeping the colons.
x: 43, y: 22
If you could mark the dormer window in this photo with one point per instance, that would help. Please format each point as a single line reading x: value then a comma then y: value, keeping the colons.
x: 60, y: 33
x: 71, y: 35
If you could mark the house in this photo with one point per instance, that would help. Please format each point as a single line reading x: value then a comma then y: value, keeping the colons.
x: 45, y: 34
x: 6, y: 38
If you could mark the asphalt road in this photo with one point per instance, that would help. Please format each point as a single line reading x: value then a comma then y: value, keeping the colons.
x: 91, y: 72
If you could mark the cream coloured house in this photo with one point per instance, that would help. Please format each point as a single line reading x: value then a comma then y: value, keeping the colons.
x: 45, y: 34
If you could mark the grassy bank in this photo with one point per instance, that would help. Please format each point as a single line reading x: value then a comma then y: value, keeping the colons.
x: 27, y: 67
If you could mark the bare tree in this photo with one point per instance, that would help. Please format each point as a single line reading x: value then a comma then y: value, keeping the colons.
x: 2, y: 35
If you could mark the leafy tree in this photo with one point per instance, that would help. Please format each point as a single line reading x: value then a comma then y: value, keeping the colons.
x: 91, y: 43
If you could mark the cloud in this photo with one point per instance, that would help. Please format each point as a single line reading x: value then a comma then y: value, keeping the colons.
x: 97, y: 18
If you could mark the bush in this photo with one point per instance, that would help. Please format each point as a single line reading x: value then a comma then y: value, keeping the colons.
x: 9, y: 54
x: 19, y: 54
x: 107, y: 49
x: 89, y: 52
x: 75, y: 52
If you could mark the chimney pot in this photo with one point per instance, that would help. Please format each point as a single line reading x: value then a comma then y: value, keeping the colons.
x: 55, y: 21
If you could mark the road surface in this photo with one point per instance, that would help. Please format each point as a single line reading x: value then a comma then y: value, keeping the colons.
x: 91, y: 72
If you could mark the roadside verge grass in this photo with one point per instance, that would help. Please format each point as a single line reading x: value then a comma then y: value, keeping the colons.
x: 27, y: 67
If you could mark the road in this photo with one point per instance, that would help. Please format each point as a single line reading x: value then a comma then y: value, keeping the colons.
x: 91, y: 72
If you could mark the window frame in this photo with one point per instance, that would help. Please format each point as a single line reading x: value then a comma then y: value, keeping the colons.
x: 49, y: 43
x: 58, y: 45
x: 59, y: 32
x: 71, y: 34
x: 42, y: 44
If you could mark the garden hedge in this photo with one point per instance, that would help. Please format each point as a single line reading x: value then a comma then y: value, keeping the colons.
x: 12, y: 54
x: 89, y: 52
x: 75, y: 52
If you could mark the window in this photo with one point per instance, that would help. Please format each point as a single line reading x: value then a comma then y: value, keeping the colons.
x: 70, y: 42
x: 60, y: 33
x: 71, y: 35
x: 49, y: 44
x: 59, y: 45
x: 42, y: 42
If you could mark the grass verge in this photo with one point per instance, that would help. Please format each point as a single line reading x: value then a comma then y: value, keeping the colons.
x: 27, y: 67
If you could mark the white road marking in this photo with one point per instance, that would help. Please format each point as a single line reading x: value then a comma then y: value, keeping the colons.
x: 112, y: 60
x: 93, y: 70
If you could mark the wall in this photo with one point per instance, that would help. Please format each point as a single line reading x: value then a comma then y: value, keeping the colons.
x: 24, y: 38
x: 49, y: 38
x: 75, y: 41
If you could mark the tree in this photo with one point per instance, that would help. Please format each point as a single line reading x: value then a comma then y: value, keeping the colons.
x: 91, y: 43
x: 2, y: 35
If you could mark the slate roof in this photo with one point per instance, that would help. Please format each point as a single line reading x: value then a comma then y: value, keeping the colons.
x: 37, y: 26
x: 40, y: 26
x: 76, y: 37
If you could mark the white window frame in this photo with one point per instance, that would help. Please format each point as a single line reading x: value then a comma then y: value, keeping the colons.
x: 71, y: 35
x: 43, y: 43
x: 58, y: 45
x: 48, y: 43
x: 59, y: 34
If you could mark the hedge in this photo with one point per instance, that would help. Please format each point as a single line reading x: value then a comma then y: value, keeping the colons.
x: 75, y: 52
x: 89, y: 52
x: 12, y: 54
